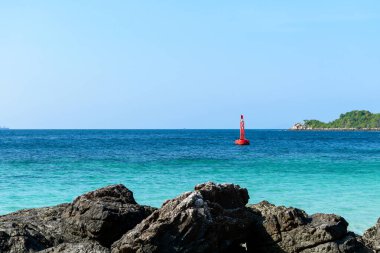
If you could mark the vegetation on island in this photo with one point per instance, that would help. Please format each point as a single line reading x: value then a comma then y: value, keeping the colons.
x: 354, y: 119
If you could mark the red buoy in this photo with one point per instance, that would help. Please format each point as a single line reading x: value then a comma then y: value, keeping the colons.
x: 242, y: 140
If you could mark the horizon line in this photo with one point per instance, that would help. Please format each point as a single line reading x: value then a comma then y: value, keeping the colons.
x: 142, y: 129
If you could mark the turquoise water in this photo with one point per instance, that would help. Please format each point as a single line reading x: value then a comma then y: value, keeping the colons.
x: 332, y: 172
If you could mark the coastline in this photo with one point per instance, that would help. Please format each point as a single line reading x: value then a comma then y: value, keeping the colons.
x: 338, y: 129
x: 356, y: 120
x: 211, y: 218
x: 275, y: 160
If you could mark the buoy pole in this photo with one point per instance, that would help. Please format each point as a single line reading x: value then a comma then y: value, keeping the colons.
x: 242, y: 140
x: 242, y: 133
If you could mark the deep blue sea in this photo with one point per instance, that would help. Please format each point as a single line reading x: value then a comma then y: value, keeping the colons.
x: 331, y: 172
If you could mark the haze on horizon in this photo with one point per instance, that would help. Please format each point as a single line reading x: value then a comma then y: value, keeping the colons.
x: 195, y: 64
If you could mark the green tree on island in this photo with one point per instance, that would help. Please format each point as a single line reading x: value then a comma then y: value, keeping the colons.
x: 354, y: 119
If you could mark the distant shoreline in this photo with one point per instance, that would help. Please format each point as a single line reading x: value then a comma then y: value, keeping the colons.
x: 350, y: 121
x: 338, y: 129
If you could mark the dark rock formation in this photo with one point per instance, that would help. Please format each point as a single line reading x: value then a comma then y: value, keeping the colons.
x: 31, y: 230
x: 81, y: 247
x: 100, y: 216
x: 104, y: 215
x: 371, y: 237
x: 213, y: 218
x: 290, y: 230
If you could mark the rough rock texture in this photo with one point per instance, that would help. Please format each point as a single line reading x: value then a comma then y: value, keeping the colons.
x: 213, y: 218
x: 103, y: 215
x: 31, y: 230
x: 81, y: 247
x: 290, y: 230
x: 371, y: 237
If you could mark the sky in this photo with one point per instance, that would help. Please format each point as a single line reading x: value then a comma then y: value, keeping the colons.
x: 186, y: 64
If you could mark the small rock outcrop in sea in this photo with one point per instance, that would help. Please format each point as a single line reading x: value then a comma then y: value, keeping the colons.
x: 212, y: 218
x: 298, y: 126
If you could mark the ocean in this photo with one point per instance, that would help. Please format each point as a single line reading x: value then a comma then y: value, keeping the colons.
x: 329, y: 172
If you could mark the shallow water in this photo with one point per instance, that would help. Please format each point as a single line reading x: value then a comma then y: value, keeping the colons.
x: 330, y: 172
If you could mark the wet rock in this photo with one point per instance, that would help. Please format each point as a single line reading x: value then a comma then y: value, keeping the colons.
x: 371, y: 237
x: 213, y: 218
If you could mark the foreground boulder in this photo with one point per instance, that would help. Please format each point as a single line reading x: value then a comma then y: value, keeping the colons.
x: 31, y: 230
x: 213, y: 218
x: 101, y: 216
x: 81, y: 247
x: 104, y: 215
x: 291, y: 230
x: 371, y: 237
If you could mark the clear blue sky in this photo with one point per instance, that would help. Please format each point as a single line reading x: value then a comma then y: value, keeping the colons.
x: 186, y: 64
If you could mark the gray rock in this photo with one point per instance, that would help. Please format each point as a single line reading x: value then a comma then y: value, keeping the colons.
x: 290, y: 230
x: 213, y: 218
x: 350, y: 243
x: 101, y: 216
x: 104, y: 215
x: 31, y: 230
x: 81, y: 247
x: 371, y: 237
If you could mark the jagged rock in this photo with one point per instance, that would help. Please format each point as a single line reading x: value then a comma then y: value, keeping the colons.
x: 371, y: 237
x: 81, y: 247
x: 350, y: 243
x: 31, y: 230
x: 104, y: 215
x: 213, y: 218
x: 290, y: 230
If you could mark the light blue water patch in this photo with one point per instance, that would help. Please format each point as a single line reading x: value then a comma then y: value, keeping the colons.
x: 330, y: 172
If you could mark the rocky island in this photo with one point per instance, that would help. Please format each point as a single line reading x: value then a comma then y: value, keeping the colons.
x: 351, y: 121
x: 211, y: 218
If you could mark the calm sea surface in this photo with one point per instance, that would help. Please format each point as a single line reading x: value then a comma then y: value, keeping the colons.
x: 332, y: 172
